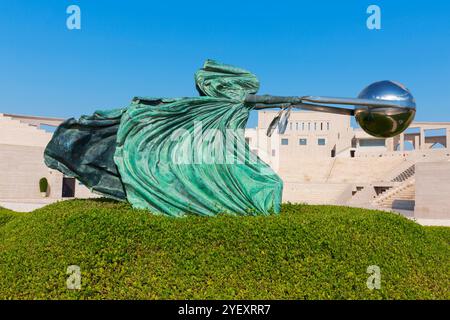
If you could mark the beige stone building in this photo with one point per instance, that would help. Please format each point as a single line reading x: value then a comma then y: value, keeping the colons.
x: 22, y: 145
x: 323, y: 160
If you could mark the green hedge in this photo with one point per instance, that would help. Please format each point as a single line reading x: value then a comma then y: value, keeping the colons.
x: 307, y: 252
x: 43, y: 185
x: 5, y: 216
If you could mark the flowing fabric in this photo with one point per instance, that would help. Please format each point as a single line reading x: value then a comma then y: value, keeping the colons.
x: 178, y: 156
x: 84, y: 149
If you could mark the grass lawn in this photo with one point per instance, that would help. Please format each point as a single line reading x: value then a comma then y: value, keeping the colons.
x: 306, y: 252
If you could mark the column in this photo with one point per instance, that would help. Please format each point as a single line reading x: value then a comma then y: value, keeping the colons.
x: 447, y: 138
x: 402, y: 142
x: 422, y: 139
x: 416, y: 142
x: 390, y: 144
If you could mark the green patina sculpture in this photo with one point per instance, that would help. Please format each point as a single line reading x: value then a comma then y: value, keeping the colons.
x: 174, y: 156
x: 178, y: 156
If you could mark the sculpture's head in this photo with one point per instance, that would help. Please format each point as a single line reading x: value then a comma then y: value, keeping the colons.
x: 385, y: 121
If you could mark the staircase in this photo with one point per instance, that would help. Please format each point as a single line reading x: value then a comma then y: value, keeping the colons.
x: 406, y: 174
x: 402, y: 195
x: 15, y: 132
x: 399, y: 197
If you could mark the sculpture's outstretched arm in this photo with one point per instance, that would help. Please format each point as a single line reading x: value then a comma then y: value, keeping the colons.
x: 315, y: 103
x: 383, y: 109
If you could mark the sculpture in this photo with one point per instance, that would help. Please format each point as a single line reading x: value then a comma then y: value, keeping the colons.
x: 150, y: 154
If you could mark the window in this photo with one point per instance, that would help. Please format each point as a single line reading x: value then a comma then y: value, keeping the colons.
x: 248, y: 140
x: 372, y: 143
x: 296, y: 126
x: 290, y: 126
x: 328, y: 126
x: 321, y: 126
x: 315, y: 126
x: 321, y: 141
x: 284, y: 142
x: 303, y: 126
x: 309, y: 126
x: 303, y: 142
x: 273, y: 152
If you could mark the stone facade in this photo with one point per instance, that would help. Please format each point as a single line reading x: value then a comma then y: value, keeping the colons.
x: 22, y: 145
x: 432, y: 190
x: 323, y: 160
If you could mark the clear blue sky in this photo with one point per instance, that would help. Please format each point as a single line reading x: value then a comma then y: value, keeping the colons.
x: 128, y: 48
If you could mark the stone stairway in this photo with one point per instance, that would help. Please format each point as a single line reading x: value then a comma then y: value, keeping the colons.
x: 402, y: 194
x: 15, y: 132
x: 406, y: 174
x: 399, y: 197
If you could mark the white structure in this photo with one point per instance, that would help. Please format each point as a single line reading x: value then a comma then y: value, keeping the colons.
x: 323, y: 160
x: 432, y: 190
x: 22, y: 145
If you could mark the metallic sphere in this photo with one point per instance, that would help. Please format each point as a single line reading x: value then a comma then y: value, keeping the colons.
x: 386, y: 122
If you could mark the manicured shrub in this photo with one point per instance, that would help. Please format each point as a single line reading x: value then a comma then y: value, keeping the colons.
x: 306, y: 252
x: 43, y: 185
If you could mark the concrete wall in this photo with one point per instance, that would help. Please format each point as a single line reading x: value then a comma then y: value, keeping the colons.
x: 82, y: 192
x: 335, y: 129
x: 21, y: 168
x: 432, y: 190
x: 22, y: 162
x: 315, y: 193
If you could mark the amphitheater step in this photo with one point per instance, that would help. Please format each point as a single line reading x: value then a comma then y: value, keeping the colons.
x: 403, y: 198
x: 406, y: 174
x: 15, y: 132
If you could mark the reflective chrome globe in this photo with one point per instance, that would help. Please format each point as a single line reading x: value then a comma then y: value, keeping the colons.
x: 386, y: 122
